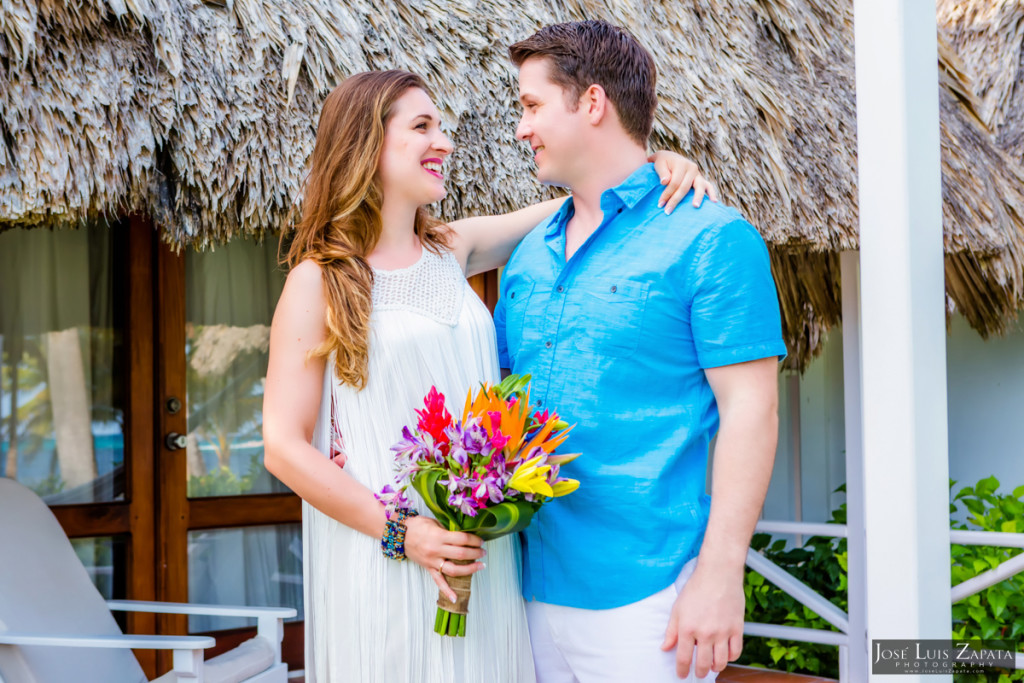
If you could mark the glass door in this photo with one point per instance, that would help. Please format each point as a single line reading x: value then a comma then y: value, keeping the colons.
x: 76, y: 395
x: 233, y: 533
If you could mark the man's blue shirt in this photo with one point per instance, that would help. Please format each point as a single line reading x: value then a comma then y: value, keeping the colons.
x: 617, y: 340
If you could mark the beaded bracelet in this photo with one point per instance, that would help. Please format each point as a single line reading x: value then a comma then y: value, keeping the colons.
x: 392, y: 544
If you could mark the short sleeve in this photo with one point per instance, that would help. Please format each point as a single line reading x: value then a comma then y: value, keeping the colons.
x: 500, y: 332
x: 734, y: 306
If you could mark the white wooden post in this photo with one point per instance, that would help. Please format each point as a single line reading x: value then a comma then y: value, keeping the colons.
x: 903, y: 359
x: 857, y: 663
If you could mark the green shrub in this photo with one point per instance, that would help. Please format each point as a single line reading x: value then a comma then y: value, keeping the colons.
x: 995, y: 613
x: 821, y: 564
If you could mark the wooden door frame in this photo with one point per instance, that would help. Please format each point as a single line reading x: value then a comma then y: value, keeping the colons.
x: 171, y: 482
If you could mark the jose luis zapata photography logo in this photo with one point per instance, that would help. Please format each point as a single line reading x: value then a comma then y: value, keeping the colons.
x: 941, y: 656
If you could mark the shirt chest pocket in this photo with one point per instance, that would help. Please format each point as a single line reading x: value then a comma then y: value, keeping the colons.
x: 517, y: 300
x: 611, y: 316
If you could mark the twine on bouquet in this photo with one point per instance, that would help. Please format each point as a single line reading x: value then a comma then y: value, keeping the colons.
x: 451, y: 616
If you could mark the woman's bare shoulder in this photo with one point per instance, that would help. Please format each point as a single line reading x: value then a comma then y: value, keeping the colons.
x: 303, y: 298
x: 307, y: 274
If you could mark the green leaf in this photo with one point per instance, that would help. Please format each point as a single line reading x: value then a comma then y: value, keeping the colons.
x: 511, y: 385
x: 974, y: 505
x: 1019, y: 491
x: 977, y: 613
x: 989, y: 627
x: 987, y: 485
x: 964, y: 492
x: 997, y: 599
x: 503, y: 518
x: 426, y: 485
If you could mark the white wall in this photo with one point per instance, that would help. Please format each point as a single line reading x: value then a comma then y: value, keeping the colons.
x: 986, y: 406
x: 985, y: 381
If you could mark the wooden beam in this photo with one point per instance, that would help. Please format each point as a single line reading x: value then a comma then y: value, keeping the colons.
x: 171, y: 474
x: 235, y: 511
x: 140, y: 431
x: 93, y: 519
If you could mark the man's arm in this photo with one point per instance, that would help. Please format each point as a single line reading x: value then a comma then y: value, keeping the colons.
x: 709, y: 610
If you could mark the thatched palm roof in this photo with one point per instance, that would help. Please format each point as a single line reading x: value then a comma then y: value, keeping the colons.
x: 989, y: 38
x: 203, y: 114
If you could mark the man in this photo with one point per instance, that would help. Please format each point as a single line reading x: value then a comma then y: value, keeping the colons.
x: 650, y: 332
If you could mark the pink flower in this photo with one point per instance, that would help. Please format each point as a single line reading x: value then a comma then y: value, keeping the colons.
x: 499, y: 440
x: 435, y: 418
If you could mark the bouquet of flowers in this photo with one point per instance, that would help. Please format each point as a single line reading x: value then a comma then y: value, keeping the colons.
x: 486, y: 474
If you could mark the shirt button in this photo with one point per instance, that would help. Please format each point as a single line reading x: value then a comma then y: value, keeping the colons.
x: 547, y: 344
x: 614, y: 289
x: 512, y: 295
x: 619, y: 210
x: 560, y: 289
x: 539, y: 403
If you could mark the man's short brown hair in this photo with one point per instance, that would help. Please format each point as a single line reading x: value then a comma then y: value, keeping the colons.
x: 584, y: 53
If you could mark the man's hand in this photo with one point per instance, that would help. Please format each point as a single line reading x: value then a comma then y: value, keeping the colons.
x: 709, y: 614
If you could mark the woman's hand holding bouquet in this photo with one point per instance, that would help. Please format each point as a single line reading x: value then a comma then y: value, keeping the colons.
x: 485, y: 476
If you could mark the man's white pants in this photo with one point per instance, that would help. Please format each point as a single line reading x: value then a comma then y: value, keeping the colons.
x: 619, y: 645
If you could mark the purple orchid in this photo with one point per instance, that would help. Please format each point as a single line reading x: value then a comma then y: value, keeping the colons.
x: 488, y: 489
x: 412, y: 446
x: 389, y: 495
x: 464, y: 502
x: 455, y: 483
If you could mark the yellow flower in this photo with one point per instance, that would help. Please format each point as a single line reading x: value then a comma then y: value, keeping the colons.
x: 564, y: 487
x: 532, y: 477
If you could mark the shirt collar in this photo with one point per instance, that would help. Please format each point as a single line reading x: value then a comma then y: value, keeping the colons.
x: 634, y: 188
x: 629, y: 192
x: 557, y: 221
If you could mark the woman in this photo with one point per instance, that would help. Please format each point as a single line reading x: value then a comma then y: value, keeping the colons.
x: 375, y: 311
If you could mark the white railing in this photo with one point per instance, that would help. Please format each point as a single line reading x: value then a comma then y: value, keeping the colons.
x: 806, y: 596
x: 1010, y: 567
x: 799, y: 590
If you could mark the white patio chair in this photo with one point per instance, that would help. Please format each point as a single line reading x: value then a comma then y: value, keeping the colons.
x: 55, y: 627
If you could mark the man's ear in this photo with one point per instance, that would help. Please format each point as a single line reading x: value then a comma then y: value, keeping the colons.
x: 595, y: 103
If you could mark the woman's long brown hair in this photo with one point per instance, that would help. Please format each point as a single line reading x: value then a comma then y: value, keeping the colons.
x: 341, y: 219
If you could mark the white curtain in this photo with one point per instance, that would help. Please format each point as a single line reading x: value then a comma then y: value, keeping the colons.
x: 61, y: 428
x: 230, y: 296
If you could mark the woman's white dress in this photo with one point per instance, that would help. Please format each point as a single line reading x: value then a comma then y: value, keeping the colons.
x: 370, y: 619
